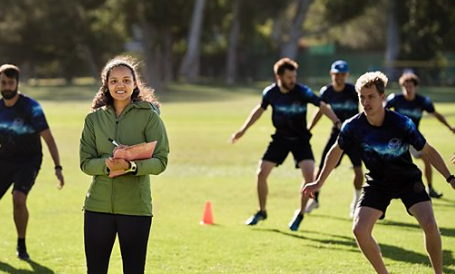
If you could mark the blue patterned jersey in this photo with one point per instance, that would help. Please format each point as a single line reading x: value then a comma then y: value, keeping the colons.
x: 344, y: 103
x: 20, y: 128
x: 384, y: 149
x: 413, y: 109
x: 289, y: 109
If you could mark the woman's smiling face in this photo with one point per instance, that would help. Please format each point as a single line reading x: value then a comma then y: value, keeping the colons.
x: 121, y: 83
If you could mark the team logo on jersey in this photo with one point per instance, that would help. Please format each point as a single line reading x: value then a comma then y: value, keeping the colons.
x: 394, y: 144
x: 18, y: 122
x: 293, y: 109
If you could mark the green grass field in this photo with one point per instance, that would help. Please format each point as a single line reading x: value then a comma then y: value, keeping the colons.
x: 203, y: 166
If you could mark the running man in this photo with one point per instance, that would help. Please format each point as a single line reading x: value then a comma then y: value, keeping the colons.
x: 22, y: 124
x: 288, y: 100
x: 412, y: 104
x: 383, y: 138
x: 343, y: 99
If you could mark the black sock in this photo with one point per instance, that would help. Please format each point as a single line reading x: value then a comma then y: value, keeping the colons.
x: 21, y: 243
x: 316, y: 196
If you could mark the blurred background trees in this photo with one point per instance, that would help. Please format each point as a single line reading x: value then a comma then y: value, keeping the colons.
x: 228, y: 41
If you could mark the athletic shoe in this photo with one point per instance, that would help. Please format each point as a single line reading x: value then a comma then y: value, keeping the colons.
x: 352, y: 211
x: 434, y: 194
x: 22, y: 254
x: 296, y: 220
x: 312, y: 204
x: 353, y: 208
x: 259, y: 216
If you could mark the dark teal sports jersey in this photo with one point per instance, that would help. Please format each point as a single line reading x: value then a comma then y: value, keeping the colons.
x: 20, y: 128
x: 384, y: 149
x: 289, y: 109
x: 412, y: 109
x: 344, y: 103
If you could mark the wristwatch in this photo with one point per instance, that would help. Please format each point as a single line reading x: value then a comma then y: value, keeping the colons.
x: 132, y: 168
x: 450, y: 178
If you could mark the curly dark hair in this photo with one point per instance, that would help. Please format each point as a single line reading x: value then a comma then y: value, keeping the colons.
x: 140, y: 93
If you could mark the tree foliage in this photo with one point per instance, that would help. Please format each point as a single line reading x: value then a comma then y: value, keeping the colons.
x: 51, y: 38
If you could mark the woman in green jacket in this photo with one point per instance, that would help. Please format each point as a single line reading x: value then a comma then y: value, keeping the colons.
x: 126, y: 111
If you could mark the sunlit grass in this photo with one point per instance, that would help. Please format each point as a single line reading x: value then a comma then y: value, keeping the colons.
x: 203, y: 166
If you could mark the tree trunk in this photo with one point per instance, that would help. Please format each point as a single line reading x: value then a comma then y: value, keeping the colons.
x: 276, y: 30
x: 151, y: 56
x: 168, y: 73
x: 231, y: 57
x: 291, y: 47
x: 189, y: 69
x: 393, y: 41
x: 90, y: 58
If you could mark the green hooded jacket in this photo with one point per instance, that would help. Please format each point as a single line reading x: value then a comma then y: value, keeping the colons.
x: 128, y: 194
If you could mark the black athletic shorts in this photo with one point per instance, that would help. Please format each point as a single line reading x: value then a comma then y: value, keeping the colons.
x: 23, y: 176
x: 354, y: 155
x: 379, y: 197
x: 279, y: 148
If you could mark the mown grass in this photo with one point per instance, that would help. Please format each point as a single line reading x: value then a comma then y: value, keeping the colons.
x: 203, y: 166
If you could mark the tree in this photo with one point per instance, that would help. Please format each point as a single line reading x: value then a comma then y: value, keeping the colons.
x: 189, y: 69
x: 231, y: 56
x: 290, y: 48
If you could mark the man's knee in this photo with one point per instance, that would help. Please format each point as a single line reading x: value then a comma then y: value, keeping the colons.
x: 263, y: 171
x: 360, y: 232
x: 19, y: 199
x: 262, y: 175
x: 430, y: 227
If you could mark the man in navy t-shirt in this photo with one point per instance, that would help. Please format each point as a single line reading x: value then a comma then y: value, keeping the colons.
x: 383, y: 138
x: 22, y: 124
x: 412, y: 104
x: 343, y: 99
x: 288, y: 100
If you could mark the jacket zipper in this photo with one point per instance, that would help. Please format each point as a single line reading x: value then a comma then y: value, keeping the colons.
x: 112, y: 193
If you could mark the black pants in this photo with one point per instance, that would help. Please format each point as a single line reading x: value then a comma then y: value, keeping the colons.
x: 100, y: 230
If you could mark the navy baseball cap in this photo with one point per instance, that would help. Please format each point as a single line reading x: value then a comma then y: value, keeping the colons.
x: 339, y: 66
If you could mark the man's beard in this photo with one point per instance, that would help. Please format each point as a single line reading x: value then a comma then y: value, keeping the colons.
x: 289, y: 87
x: 9, y: 94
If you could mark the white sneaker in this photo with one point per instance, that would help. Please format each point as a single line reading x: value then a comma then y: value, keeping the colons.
x: 312, y: 204
x: 352, y: 209
x: 352, y: 213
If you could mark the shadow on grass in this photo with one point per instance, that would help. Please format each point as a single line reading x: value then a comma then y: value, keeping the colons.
x: 175, y: 93
x: 444, y: 202
x: 179, y: 92
x: 61, y: 93
x: 388, y: 251
x: 36, y: 269
x: 328, y: 243
x: 446, y: 232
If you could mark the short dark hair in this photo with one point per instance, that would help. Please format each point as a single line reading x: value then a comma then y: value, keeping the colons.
x: 409, y: 77
x: 368, y: 79
x: 11, y: 71
x: 284, y: 64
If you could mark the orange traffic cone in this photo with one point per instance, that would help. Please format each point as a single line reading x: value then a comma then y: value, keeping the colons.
x: 207, y: 219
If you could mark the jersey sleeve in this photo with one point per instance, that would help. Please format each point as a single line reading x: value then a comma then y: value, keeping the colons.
x: 345, y: 138
x: 413, y: 135
x: 389, y: 103
x: 428, y: 105
x: 265, y: 98
x: 38, y: 119
x: 323, y: 94
x: 310, y: 96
